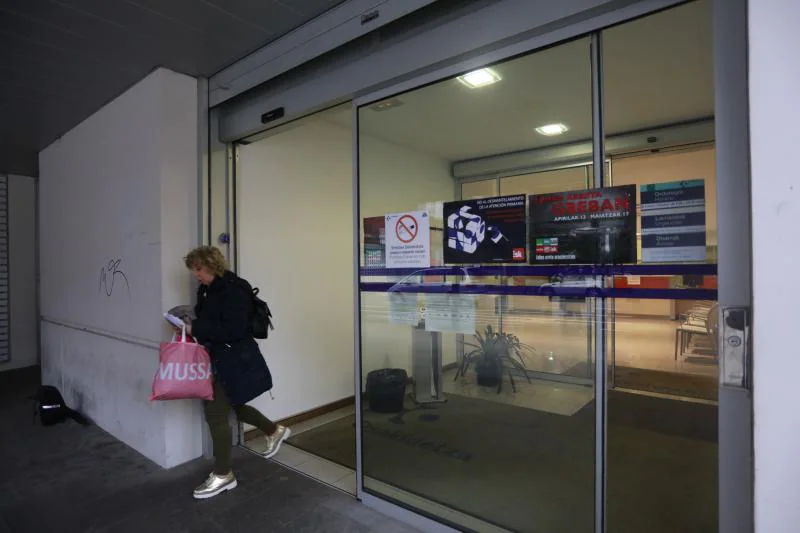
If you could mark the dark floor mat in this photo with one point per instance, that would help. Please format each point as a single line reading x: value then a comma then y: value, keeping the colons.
x: 674, y: 418
x: 335, y: 441
x: 659, y: 381
x: 533, y: 471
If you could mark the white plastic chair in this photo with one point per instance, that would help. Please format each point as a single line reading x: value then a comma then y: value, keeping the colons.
x: 700, y: 320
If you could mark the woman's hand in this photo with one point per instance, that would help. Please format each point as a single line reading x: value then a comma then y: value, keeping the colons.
x: 189, y: 328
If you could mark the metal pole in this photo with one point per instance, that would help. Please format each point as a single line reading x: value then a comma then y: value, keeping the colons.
x: 601, y: 393
x: 357, y: 379
x: 735, y: 256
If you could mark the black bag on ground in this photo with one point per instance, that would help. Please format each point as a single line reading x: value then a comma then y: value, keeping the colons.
x: 386, y: 390
x: 52, y: 410
x: 241, y: 370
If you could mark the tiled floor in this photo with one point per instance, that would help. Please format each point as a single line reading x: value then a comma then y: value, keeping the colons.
x: 320, y: 469
x: 647, y: 343
x: 74, y: 479
x: 548, y: 396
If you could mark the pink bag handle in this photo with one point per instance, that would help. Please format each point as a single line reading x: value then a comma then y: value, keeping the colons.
x: 183, y: 336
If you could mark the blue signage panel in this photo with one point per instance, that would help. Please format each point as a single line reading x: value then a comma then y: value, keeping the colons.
x: 673, y: 222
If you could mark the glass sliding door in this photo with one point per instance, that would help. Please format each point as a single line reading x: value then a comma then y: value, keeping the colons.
x: 527, y: 376
x: 662, y: 436
x: 451, y: 427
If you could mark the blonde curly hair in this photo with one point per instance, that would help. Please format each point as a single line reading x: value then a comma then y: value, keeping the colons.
x: 210, y: 257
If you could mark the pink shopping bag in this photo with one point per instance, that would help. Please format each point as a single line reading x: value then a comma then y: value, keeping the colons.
x: 184, y: 371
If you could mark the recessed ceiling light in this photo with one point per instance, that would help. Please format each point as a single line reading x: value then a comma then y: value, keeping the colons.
x: 387, y: 104
x: 551, y: 129
x: 479, y: 78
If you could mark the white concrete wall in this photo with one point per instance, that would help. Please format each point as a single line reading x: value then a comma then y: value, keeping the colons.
x: 22, y: 268
x: 184, y: 421
x: 138, y: 155
x: 295, y: 210
x: 774, y: 138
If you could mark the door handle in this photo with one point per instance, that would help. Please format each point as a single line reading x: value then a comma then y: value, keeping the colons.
x: 734, y: 348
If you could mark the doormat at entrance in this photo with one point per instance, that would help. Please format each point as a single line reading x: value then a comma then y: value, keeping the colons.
x: 659, y: 381
x: 531, y: 471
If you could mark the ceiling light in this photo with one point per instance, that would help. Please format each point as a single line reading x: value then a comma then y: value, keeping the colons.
x: 387, y: 104
x: 551, y: 129
x: 479, y: 78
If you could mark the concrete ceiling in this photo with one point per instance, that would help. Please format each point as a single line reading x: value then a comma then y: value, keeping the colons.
x: 62, y: 60
x: 658, y: 70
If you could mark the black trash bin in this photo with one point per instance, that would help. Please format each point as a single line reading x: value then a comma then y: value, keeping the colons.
x: 386, y: 390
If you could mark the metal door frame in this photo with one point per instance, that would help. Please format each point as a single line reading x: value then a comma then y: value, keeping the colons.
x: 734, y: 260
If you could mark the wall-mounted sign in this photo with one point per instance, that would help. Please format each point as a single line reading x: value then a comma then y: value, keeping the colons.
x: 374, y: 242
x: 408, y: 240
x: 486, y: 230
x: 674, y: 221
x: 595, y: 226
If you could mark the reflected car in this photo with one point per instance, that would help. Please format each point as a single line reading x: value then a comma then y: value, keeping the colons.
x: 572, y: 279
x: 417, y: 279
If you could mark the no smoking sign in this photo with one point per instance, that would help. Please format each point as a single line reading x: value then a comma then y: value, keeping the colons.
x: 406, y: 228
x: 408, y: 240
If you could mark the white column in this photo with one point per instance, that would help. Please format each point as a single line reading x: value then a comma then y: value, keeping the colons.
x: 774, y: 39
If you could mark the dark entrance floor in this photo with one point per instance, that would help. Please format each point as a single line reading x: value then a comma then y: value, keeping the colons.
x: 76, y: 479
x: 682, y: 384
x: 532, y: 471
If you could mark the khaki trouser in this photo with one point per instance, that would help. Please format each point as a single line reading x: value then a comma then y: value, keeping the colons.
x: 217, y: 411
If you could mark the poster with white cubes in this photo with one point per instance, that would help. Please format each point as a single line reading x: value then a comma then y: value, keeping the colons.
x: 408, y: 240
x: 486, y: 230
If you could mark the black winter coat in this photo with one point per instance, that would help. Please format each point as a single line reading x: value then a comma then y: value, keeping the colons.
x: 223, y: 313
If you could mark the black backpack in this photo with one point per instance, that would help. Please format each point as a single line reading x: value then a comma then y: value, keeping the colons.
x: 261, y: 319
x: 52, y: 410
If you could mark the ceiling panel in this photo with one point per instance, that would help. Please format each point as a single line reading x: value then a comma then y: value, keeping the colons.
x: 62, y: 60
x: 658, y: 71
x: 217, y: 19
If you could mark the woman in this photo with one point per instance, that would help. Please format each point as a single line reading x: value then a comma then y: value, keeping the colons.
x: 223, y: 313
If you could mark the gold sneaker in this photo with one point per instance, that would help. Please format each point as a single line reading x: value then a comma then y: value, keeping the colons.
x: 215, y: 485
x: 275, y: 440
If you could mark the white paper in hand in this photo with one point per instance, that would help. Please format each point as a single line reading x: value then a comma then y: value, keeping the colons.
x: 175, y: 321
